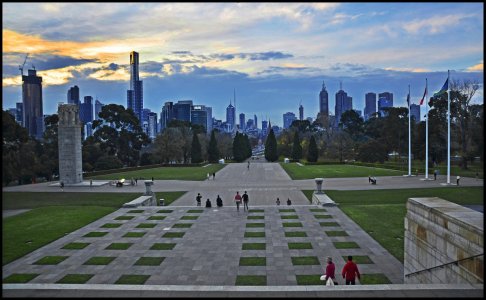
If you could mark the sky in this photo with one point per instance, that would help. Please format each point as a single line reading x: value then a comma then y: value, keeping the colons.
x: 274, y: 56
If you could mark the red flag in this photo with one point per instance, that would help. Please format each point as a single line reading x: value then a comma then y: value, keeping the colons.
x: 423, y: 98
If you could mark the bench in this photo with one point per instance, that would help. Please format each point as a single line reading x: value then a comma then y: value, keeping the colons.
x: 140, y: 201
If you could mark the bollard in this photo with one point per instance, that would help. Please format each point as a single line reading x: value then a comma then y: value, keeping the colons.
x: 319, y: 185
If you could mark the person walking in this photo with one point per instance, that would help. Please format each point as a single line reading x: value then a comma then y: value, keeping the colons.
x: 435, y: 174
x: 219, y: 201
x: 91, y: 183
x: 350, y: 271
x: 248, y: 165
x: 278, y: 201
x: 238, y: 201
x: 457, y: 179
x: 198, y: 199
x: 62, y: 186
x: 330, y: 269
x: 214, y: 175
x: 208, y: 176
x: 245, y: 201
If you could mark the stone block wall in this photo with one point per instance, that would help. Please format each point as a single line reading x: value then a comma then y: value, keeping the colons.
x: 438, y: 232
x: 69, y: 141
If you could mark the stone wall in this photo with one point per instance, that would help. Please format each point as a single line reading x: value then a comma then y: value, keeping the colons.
x: 438, y: 232
x: 69, y: 141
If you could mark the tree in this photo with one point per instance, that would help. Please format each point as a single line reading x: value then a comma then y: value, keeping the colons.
x: 271, y: 147
x: 296, y: 148
x: 196, y: 156
x: 49, y: 153
x: 213, y: 152
x: 15, y: 140
x: 108, y: 162
x: 124, y: 138
x: 240, y: 147
x: 372, y: 151
x: 168, y: 145
x: 313, y: 152
x: 352, y: 123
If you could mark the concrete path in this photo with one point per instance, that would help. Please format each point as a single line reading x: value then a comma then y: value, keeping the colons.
x: 12, y: 212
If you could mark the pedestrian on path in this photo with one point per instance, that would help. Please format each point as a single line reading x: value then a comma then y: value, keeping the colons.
x: 91, y: 183
x: 214, y: 175
x: 238, y: 201
x: 248, y: 165
x: 219, y: 201
x: 330, y: 269
x: 350, y: 271
x: 136, y: 181
x: 457, y: 180
x: 208, y: 203
x: 62, y: 186
x: 435, y: 174
x: 198, y: 199
x: 278, y: 201
x: 245, y: 201
x: 289, y: 202
x: 208, y: 176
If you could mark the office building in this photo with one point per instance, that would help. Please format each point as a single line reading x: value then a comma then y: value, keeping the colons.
x: 242, y: 121
x: 98, y: 107
x: 166, y: 115
x: 199, y: 116
x: 73, y: 95
x: 135, y: 93
x: 255, y: 123
x: 415, y: 112
x: 20, y: 111
x: 301, y: 112
x: 182, y: 110
x: 384, y: 100
x: 152, y: 125
x: 370, y: 105
x: 209, y: 111
x: 32, y: 104
x: 324, y: 101
x: 343, y: 103
x: 86, y: 110
x: 288, y: 118
x: 249, y: 124
x: 145, y: 115
x: 264, y: 127
x: 230, y: 118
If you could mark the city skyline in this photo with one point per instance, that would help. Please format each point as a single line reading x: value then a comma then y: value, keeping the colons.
x: 276, y: 55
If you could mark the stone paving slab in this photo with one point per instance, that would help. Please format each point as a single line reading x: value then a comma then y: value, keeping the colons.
x: 209, y: 251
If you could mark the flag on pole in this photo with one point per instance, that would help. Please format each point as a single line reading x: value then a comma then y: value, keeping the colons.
x: 443, y: 89
x: 408, y: 99
x: 423, y: 97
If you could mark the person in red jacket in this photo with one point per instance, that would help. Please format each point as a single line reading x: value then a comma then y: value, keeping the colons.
x: 330, y: 268
x: 238, y: 201
x: 350, y: 271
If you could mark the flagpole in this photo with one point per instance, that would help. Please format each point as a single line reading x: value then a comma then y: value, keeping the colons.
x: 409, y: 137
x: 448, y: 130
x: 426, y: 134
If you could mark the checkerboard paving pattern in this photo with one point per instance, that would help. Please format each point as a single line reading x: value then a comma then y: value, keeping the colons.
x: 216, y: 246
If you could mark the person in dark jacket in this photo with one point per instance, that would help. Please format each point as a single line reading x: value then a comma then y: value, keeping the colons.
x: 208, y: 203
x: 219, y: 201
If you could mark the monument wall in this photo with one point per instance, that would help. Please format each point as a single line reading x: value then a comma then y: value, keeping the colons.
x: 443, y: 242
x: 69, y: 141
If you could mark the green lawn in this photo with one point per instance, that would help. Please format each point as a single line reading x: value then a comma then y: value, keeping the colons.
x: 381, y: 213
x: 251, y: 280
x: 54, y: 215
x: 132, y: 279
x: 165, y: 173
x: 335, y: 171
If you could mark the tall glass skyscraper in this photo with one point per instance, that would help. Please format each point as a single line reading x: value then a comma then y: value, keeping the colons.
x: 135, y: 93
x: 324, y: 101
x: 73, y: 95
x: 98, y: 107
x: 385, y: 99
x: 343, y: 103
x: 33, y: 116
x: 370, y: 105
x: 230, y: 117
x: 242, y: 121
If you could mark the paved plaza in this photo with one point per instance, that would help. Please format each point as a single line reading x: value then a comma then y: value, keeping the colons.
x: 185, y: 245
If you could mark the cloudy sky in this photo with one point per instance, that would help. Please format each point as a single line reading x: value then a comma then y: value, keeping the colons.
x: 275, y: 55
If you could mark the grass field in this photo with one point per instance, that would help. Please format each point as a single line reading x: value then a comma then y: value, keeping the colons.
x: 381, y: 213
x: 54, y: 215
x: 335, y: 171
x: 166, y: 173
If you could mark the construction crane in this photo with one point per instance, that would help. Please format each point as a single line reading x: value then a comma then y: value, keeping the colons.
x: 21, y: 67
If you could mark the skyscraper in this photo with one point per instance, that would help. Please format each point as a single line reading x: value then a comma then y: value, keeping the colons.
x: 32, y: 104
x: 199, y: 116
x: 255, y: 124
x: 242, y: 121
x: 301, y: 112
x: 73, y: 95
x: 182, y: 110
x: 135, y: 93
x: 385, y: 99
x: 288, y: 118
x: 230, y: 117
x: 343, y: 103
x: 415, y: 112
x: 152, y: 124
x: 86, y: 110
x: 166, y: 115
x: 20, y: 112
x: 324, y: 101
x: 370, y: 105
x: 264, y: 127
x: 209, y: 111
x: 98, y: 107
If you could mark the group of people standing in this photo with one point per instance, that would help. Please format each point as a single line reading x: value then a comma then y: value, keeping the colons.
x: 219, y: 201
